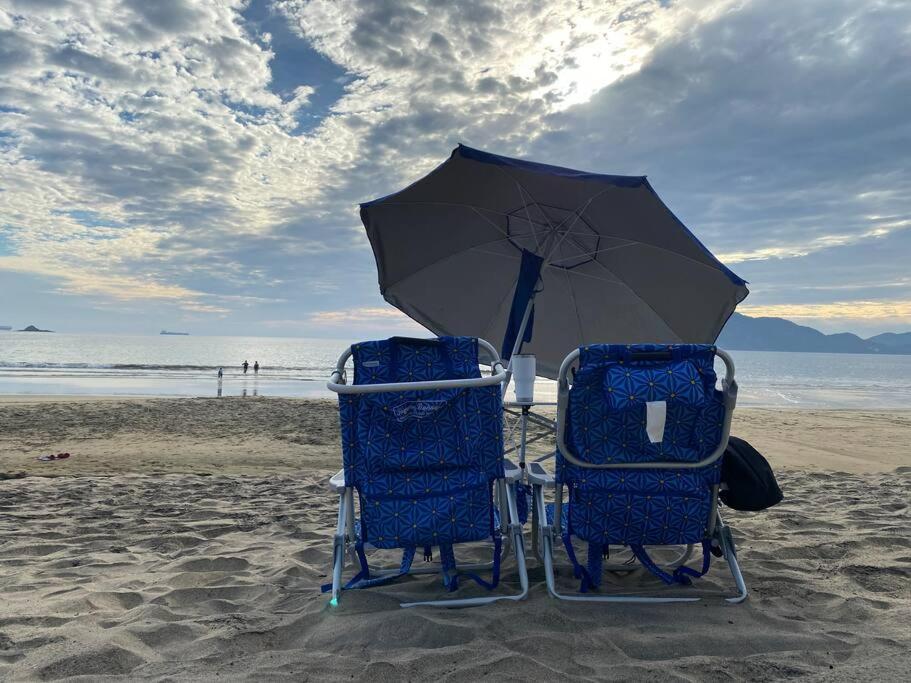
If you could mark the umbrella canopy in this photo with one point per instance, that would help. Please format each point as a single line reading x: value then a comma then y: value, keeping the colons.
x: 464, y: 249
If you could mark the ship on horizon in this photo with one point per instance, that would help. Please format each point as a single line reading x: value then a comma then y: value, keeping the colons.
x: 179, y: 334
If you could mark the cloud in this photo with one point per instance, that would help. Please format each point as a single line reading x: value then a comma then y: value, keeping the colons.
x: 859, y: 310
x: 224, y: 179
x: 774, y: 126
x: 382, y: 317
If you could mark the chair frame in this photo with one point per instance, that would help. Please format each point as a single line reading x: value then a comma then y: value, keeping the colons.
x: 546, y: 535
x: 505, y: 491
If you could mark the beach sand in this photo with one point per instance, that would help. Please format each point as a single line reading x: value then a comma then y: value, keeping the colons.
x: 187, y: 538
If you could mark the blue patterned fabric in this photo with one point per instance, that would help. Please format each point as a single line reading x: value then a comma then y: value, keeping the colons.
x: 606, y: 423
x: 423, y: 462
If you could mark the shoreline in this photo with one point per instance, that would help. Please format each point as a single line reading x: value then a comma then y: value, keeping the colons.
x: 258, y: 435
x: 64, y: 398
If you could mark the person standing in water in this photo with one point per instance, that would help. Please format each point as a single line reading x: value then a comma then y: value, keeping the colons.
x: 221, y: 373
x: 256, y: 367
x: 245, y: 366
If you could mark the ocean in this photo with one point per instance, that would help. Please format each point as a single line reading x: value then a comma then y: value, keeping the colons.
x: 122, y: 365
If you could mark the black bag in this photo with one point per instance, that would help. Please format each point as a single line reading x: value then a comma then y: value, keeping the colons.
x: 750, y: 482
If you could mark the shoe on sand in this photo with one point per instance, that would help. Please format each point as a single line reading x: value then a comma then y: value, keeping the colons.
x: 51, y: 457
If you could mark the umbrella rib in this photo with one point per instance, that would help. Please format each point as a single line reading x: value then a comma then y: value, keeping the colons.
x: 496, y: 311
x: 496, y: 227
x: 534, y: 232
x: 621, y: 281
x: 411, y: 202
x: 446, y: 258
x: 595, y: 252
x: 630, y: 243
x: 572, y: 296
x: 522, y: 189
x: 500, y: 213
x: 494, y: 253
x: 460, y: 204
x: 578, y: 273
x: 577, y: 214
x: 675, y: 253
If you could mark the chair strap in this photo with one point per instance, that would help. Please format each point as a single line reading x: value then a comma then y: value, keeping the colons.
x: 579, y: 571
x: 362, y: 578
x: 523, y: 502
x: 682, y: 574
x: 451, y: 573
x: 595, y: 563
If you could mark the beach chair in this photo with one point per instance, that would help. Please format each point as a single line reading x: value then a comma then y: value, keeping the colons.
x: 641, y: 431
x: 422, y: 446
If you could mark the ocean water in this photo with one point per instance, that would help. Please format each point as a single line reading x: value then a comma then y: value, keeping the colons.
x: 32, y: 363
x: 163, y: 365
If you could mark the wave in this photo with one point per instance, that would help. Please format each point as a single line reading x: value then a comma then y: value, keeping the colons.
x: 152, y: 367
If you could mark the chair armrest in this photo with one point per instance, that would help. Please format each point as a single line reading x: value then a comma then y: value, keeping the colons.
x: 334, y: 384
x: 538, y: 476
x: 513, y: 473
x: 337, y: 482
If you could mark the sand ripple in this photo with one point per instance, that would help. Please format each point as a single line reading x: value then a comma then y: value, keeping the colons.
x: 184, y: 576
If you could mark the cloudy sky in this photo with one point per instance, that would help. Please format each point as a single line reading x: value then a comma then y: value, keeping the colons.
x: 197, y: 164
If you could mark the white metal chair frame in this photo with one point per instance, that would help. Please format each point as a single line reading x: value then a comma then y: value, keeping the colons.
x: 504, y: 488
x: 546, y: 535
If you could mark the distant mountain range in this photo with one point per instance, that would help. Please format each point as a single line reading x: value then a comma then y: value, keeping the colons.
x: 777, y: 334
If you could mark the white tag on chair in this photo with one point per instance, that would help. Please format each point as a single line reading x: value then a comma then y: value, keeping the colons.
x: 655, y: 416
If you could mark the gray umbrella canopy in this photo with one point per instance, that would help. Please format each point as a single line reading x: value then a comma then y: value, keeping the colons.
x: 616, y: 266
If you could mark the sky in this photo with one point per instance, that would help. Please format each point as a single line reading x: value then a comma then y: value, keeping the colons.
x: 198, y: 165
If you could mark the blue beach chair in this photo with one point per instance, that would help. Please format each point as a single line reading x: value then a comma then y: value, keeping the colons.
x: 422, y: 445
x: 641, y: 431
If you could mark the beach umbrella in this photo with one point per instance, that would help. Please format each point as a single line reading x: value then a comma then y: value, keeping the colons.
x: 513, y: 250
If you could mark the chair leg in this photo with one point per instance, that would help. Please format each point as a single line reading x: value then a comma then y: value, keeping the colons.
x: 338, y: 563
x: 548, y: 536
x: 729, y: 550
x: 518, y: 543
x: 339, y: 543
x: 682, y: 558
x: 547, y: 541
x: 552, y: 588
x: 485, y: 600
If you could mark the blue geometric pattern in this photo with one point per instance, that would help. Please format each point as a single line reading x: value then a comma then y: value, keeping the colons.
x: 606, y: 423
x: 423, y: 462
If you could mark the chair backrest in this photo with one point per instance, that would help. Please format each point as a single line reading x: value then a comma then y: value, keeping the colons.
x: 644, y: 403
x: 423, y: 462
x: 630, y: 405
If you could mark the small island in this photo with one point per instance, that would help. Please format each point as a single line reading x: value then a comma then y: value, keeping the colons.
x: 179, y: 334
x: 32, y: 328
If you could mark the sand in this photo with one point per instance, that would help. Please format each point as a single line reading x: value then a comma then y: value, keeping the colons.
x: 187, y: 538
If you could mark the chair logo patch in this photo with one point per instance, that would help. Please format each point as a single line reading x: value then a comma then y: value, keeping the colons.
x: 416, y: 410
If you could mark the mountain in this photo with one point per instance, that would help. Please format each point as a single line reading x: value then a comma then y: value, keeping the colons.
x: 888, y: 342
x: 32, y: 328
x: 777, y: 334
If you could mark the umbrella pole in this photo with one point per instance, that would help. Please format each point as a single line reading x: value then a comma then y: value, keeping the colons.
x: 518, y: 345
x: 525, y: 408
